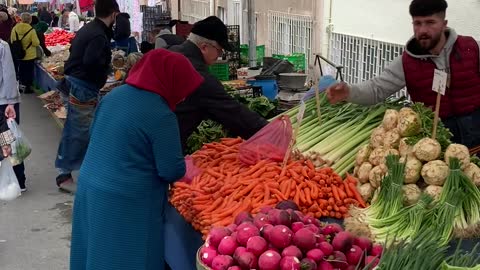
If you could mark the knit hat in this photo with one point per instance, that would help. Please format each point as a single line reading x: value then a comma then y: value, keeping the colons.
x: 214, y: 29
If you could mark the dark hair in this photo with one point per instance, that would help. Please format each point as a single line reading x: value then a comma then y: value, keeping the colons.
x: 105, y: 8
x: 427, y: 7
x: 35, y: 20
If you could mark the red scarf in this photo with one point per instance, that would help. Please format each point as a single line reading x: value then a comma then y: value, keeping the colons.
x: 167, y: 74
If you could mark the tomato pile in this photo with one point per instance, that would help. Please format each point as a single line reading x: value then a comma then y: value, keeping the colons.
x: 58, y: 37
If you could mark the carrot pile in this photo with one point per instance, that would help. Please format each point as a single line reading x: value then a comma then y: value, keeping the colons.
x: 227, y: 187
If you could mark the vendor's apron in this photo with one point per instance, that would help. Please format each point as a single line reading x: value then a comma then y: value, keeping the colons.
x: 81, y: 102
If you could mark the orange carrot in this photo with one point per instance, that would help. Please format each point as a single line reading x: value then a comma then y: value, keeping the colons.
x: 357, y: 195
x: 347, y: 190
x: 335, y: 193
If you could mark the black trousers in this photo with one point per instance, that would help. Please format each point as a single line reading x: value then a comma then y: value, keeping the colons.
x: 20, y: 168
x: 25, y: 73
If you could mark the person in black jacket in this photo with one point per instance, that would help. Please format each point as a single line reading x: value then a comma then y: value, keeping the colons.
x: 122, y: 35
x: 165, y: 39
x: 45, y: 16
x: 40, y: 28
x: 205, y: 44
x: 86, y: 72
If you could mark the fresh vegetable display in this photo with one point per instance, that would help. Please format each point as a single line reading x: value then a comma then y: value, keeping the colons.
x: 227, y: 187
x: 342, y: 130
x: 58, y: 37
x: 277, y: 239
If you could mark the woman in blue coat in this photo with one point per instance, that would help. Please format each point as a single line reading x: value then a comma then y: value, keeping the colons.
x: 133, y: 155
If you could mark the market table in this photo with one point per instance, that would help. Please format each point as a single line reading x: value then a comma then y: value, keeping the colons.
x: 43, y: 80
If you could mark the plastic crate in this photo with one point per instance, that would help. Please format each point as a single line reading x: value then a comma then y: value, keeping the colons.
x: 220, y: 70
x: 297, y: 59
x: 244, y: 54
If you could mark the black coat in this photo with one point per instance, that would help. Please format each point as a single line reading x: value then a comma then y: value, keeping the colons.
x: 210, y: 101
x: 122, y: 27
x: 90, y: 54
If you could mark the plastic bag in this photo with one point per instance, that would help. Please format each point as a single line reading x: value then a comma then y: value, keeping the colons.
x: 325, y: 82
x: 191, y: 170
x: 21, y: 148
x: 269, y: 143
x: 9, y: 187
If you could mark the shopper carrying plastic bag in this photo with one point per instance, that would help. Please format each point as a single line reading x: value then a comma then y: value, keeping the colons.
x: 21, y: 147
x: 9, y: 187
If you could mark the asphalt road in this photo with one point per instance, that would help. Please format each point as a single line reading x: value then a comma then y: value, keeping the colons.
x: 35, y: 228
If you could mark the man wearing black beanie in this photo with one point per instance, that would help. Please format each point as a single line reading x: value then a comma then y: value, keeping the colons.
x: 204, y: 46
x: 436, y: 53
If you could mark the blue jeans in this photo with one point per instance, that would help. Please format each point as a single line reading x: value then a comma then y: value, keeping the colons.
x: 465, y: 129
x: 82, y: 101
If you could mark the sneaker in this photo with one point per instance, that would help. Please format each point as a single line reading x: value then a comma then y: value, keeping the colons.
x: 23, y: 189
x: 68, y: 186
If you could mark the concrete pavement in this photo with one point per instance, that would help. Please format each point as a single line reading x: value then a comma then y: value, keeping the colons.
x: 35, y: 228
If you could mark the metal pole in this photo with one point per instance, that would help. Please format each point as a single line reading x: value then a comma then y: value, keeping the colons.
x: 252, y: 30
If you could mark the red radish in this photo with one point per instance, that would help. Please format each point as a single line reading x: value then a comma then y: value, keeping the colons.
x: 232, y: 227
x: 304, y: 239
x: 234, y: 236
x: 245, y: 231
x: 290, y: 263
x: 279, y: 217
x: 364, y: 243
x: 316, y: 255
x: 281, y: 236
x: 243, y: 217
x: 222, y: 262
x: 313, y: 228
x: 260, y: 220
x: 265, y: 209
x: 293, y: 216
x: 257, y: 245
x: 292, y: 251
x: 373, y: 260
x: 320, y: 238
x: 351, y: 267
x: 332, y: 229
x: 227, y: 246
x: 269, y: 260
x: 234, y: 268
x: 338, y: 260
x: 247, y: 260
x: 297, y: 226
x: 217, y: 234
x: 284, y: 205
x: 266, y: 230
x: 239, y: 251
x: 354, y: 255
x: 324, y: 265
x: 272, y: 248
x: 300, y: 215
x: 326, y: 248
x: 377, y: 250
x: 308, y: 220
x: 342, y: 241
x: 207, y: 254
x: 308, y: 264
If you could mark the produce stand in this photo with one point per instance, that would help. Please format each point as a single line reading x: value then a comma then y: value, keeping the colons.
x: 43, y: 80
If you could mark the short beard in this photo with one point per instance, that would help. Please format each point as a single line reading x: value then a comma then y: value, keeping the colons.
x: 434, y: 42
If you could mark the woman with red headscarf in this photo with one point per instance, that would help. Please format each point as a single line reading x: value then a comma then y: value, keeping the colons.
x: 133, y: 155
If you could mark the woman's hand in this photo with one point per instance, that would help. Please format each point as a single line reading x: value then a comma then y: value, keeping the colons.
x: 7, y: 150
x: 10, y: 112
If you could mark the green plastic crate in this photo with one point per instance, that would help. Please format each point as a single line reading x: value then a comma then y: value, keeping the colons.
x: 244, y: 54
x: 220, y: 70
x: 297, y: 59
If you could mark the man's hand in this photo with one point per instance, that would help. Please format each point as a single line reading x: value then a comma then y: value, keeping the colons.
x: 338, y: 92
x: 7, y: 150
x: 10, y: 112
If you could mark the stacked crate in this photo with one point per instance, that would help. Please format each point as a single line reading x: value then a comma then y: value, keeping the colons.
x: 151, y: 17
x: 233, y: 57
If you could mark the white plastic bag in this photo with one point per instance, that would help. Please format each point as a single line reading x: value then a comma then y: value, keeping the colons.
x: 21, y: 148
x: 9, y: 187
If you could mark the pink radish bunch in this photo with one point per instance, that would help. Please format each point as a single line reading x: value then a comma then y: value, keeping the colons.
x: 278, y: 239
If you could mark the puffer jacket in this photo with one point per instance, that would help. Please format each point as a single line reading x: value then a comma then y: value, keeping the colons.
x: 30, y: 39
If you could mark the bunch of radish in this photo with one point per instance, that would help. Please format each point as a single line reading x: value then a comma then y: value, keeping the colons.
x: 277, y: 239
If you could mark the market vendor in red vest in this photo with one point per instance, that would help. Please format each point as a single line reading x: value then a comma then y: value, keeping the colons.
x: 435, y: 51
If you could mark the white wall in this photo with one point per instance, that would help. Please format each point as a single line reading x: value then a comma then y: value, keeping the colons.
x: 389, y: 20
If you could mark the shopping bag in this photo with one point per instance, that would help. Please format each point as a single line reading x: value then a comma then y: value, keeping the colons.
x: 191, y: 170
x: 21, y: 148
x: 269, y: 143
x: 9, y: 187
